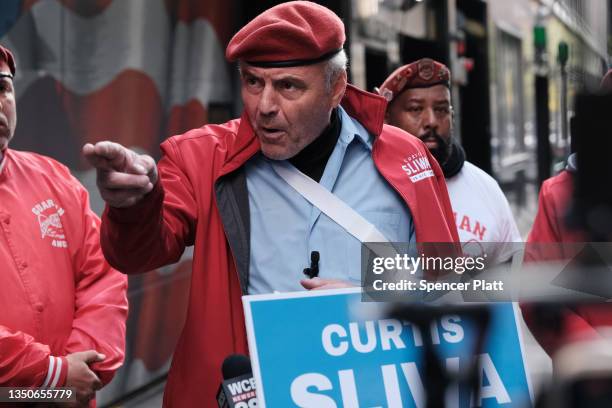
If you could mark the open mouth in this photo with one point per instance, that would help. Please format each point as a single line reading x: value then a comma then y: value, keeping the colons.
x: 272, y: 133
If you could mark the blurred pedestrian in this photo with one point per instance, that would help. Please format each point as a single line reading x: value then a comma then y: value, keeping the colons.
x: 63, y: 307
x: 548, y: 233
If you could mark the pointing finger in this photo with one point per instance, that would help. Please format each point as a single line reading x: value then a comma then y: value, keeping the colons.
x: 105, y: 155
x: 95, y: 160
x: 109, y: 150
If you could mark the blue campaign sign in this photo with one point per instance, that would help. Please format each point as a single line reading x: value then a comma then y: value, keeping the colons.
x: 310, y: 349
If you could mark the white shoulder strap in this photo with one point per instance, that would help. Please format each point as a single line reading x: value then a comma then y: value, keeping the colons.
x: 328, y: 203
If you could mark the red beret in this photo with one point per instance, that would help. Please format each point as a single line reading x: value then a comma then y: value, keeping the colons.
x: 290, y: 34
x: 423, y: 73
x: 7, y: 56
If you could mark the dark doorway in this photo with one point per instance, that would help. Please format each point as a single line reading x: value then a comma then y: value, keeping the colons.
x: 413, y: 49
x: 475, y: 97
x: 376, y: 64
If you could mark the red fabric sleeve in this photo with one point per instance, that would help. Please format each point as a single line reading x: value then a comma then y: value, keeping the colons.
x: 546, y: 229
x: 100, y: 300
x: 23, y: 361
x: 57, y: 373
x: 63, y: 372
x: 549, y: 224
x: 574, y: 327
x: 155, y: 231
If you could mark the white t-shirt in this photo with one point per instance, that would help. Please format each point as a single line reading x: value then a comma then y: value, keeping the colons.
x: 482, y: 214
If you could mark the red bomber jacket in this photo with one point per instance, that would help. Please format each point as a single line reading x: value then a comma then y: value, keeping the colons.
x: 198, y: 202
x: 579, y: 321
x: 58, y: 295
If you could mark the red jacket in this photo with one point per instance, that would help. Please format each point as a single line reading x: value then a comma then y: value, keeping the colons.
x: 195, y: 204
x: 549, y: 223
x: 57, y: 294
x: 549, y: 227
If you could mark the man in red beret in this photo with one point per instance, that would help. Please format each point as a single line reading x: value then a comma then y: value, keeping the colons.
x: 63, y: 307
x: 229, y: 189
x: 420, y: 103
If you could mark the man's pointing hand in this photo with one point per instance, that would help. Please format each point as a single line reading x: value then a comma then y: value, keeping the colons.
x: 124, y: 177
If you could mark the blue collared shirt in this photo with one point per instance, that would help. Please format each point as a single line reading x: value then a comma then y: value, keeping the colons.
x: 285, y: 228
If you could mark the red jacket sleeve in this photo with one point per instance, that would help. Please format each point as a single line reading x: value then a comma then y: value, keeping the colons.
x: 27, y: 363
x: 100, y: 300
x: 549, y: 224
x: 545, y: 225
x: 544, y: 235
x: 155, y: 231
x: 545, y: 244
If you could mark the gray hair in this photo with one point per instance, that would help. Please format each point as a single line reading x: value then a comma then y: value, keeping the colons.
x: 334, y: 67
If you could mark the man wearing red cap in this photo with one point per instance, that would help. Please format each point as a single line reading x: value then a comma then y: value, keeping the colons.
x: 63, y: 307
x: 226, y: 189
x: 420, y: 103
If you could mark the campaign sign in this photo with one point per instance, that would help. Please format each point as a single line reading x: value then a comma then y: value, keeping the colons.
x: 310, y: 349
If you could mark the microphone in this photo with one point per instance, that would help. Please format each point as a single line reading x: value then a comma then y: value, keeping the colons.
x: 313, y: 271
x: 238, y: 387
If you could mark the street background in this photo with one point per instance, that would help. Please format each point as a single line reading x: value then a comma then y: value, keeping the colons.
x: 139, y: 71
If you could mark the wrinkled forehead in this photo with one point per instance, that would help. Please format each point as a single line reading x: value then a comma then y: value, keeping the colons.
x: 305, y: 72
x: 433, y: 94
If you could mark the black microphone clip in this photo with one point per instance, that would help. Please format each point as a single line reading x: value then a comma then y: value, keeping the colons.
x: 313, y: 271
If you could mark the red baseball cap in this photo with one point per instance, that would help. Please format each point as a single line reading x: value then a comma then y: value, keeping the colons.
x: 423, y: 73
x: 288, y: 35
x: 7, y: 56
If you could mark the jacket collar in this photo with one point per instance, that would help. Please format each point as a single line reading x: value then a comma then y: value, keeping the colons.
x: 367, y: 108
x: 245, y: 146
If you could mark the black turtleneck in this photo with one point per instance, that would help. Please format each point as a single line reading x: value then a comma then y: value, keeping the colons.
x: 313, y: 158
x: 455, y: 161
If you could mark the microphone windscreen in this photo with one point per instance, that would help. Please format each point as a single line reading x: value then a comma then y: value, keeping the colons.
x: 236, y: 365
